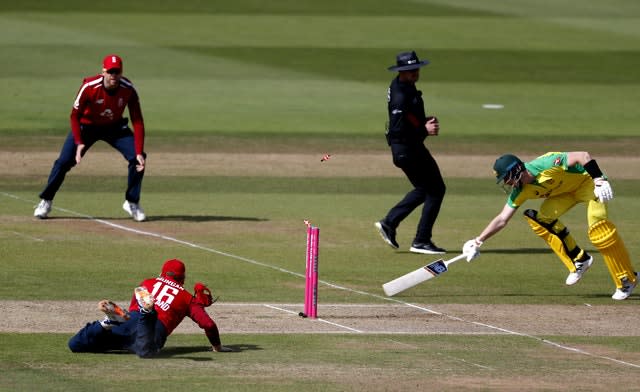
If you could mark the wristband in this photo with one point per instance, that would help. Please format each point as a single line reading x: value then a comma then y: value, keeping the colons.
x: 593, y: 169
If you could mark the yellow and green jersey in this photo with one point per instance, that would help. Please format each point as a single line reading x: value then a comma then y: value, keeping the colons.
x: 552, y: 177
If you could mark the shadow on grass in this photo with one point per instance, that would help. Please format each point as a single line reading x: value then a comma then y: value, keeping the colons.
x: 451, y: 254
x: 184, y: 218
x: 515, y: 251
x: 203, y: 218
x: 632, y: 297
x: 179, y: 351
x: 510, y: 295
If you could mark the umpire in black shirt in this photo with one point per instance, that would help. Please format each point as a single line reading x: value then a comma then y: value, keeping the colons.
x: 407, y: 130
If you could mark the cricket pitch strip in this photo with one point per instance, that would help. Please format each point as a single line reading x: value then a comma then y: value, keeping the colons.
x: 418, y: 319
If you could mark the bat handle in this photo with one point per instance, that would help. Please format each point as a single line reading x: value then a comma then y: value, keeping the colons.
x: 453, y: 260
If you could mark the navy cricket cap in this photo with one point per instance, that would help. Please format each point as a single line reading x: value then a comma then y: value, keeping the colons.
x: 407, y: 61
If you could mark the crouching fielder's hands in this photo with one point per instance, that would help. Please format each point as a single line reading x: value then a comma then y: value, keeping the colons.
x: 602, y: 190
x: 471, y: 249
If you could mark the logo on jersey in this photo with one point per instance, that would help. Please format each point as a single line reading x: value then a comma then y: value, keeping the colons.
x: 557, y: 161
x: 120, y: 102
x: 107, y: 113
x: 100, y: 101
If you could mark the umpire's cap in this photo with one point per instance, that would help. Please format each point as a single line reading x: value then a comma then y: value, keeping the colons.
x: 504, y: 165
x: 406, y: 61
x: 173, y: 269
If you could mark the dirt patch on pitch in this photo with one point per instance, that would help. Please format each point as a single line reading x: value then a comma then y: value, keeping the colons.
x: 244, y: 318
x: 104, y: 161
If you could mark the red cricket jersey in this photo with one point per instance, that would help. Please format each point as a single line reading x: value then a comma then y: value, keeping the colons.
x: 174, y: 303
x: 96, y: 106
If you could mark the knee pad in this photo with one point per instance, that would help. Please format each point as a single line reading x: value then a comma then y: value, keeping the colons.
x: 557, y: 236
x: 605, y: 237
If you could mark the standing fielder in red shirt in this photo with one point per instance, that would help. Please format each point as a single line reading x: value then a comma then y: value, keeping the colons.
x: 97, y: 114
x: 157, y: 307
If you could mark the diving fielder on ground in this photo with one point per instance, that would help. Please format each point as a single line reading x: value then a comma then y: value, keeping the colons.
x: 563, y: 179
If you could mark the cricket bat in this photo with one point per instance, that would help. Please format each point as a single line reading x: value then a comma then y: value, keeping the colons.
x: 418, y: 276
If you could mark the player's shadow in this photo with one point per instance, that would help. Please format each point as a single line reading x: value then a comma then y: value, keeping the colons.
x: 202, y: 218
x: 631, y: 298
x: 515, y: 251
x: 161, y: 218
x: 181, y: 351
x: 530, y: 251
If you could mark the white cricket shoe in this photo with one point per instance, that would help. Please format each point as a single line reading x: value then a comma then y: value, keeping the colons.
x: 135, y: 211
x: 581, y: 268
x: 626, y: 290
x: 43, y: 209
x: 145, y: 299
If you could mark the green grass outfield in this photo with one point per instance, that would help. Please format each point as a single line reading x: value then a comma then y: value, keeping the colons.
x: 308, y: 77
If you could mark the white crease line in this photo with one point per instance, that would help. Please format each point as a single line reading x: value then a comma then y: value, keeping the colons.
x: 554, y: 344
x: 465, y: 361
x: 412, y: 346
x: 317, y: 319
x: 341, y: 326
x: 335, y: 286
x: 281, y: 309
x: 27, y: 236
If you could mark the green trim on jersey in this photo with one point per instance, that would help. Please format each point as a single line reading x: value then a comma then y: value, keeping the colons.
x: 553, y: 177
x: 551, y: 160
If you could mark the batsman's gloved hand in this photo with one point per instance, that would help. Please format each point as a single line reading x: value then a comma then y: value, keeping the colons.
x: 471, y: 249
x: 602, y: 189
x: 203, y: 295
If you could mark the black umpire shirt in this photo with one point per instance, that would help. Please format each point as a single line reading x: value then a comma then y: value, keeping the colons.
x: 406, y: 114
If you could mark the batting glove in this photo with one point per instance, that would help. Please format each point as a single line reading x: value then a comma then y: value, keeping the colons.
x: 471, y: 249
x: 602, y: 190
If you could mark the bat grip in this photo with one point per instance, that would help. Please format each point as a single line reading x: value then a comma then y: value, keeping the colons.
x: 458, y: 257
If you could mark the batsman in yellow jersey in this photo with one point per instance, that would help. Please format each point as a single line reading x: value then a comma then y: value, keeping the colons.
x: 563, y: 179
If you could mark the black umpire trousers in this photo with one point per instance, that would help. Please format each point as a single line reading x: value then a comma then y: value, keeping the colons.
x: 424, y: 174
